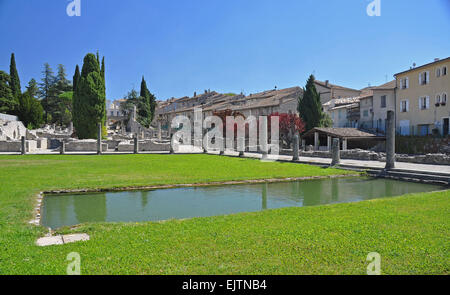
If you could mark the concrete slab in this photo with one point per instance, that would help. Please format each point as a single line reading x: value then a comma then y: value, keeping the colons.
x: 49, y: 241
x: 60, y: 240
x: 75, y: 238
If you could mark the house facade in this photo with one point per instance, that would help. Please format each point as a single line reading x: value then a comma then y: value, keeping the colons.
x: 422, y: 105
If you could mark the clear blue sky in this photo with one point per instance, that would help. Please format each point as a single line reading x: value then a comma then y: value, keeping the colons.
x: 225, y: 45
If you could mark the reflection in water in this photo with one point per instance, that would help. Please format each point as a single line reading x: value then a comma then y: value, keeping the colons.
x: 264, y: 196
x: 216, y: 200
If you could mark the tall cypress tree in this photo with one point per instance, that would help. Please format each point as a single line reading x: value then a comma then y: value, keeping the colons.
x: 89, y: 99
x: 76, y: 78
x: 144, y: 105
x: 309, y: 105
x: 14, y: 79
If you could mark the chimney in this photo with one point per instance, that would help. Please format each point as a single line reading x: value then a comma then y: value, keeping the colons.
x: 195, y: 94
x: 326, y: 83
x: 436, y: 59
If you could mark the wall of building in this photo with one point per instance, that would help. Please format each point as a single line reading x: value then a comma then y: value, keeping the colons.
x: 414, y: 120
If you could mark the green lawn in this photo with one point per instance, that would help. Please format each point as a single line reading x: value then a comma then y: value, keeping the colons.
x: 410, y: 232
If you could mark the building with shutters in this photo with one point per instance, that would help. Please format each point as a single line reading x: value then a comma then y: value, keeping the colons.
x: 422, y: 105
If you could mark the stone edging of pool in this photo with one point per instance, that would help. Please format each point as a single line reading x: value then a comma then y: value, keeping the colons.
x: 37, y: 209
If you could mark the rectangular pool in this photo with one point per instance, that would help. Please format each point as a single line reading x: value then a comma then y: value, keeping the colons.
x: 163, y: 204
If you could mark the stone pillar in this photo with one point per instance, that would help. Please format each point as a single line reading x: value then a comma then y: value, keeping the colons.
x: 23, y: 149
x: 335, y: 152
x: 159, y: 131
x: 295, y: 148
x: 344, y: 144
x: 316, y: 141
x: 329, y: 143
x: 390, y: 140
x: 70, y: 128
x: 99, y: 139
x: 136, y: 144
x: 62, y: 147
x: 303, y: 145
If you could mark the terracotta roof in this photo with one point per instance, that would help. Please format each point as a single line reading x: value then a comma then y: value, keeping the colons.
x: 347, y: 133
x: 321, y: 83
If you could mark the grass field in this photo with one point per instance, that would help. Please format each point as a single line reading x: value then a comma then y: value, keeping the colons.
x: 410, y: 232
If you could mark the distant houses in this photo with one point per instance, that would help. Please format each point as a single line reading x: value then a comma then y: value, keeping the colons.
x: 419, y: 96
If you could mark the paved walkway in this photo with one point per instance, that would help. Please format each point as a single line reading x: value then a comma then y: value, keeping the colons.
x: 357, y: 163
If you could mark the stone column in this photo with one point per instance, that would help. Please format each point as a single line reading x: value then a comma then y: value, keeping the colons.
x: 329, y: 143
x: 295, y: 148
x: 344, y: 144
x: 263, y: 137
x: 62, y: 147
x: 316, y: 141
x: 136, y: 144
x: 303, y: 145
x: 159, y: 131
x: 390, y: 140
x: 23, y: 149
x: 99, y: 139
x: 335, y: 152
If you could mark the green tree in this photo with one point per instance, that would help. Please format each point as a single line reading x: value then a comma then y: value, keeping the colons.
x: 144, y: 105
x: 310, y: 107
x: 33, y: 88
x: 76, y: 78
x: 61, y: 83
x: 47, y: 90
x: 14, y: 79
x: 30, y: 111
x: 89, y: 99
x: 8, y: 103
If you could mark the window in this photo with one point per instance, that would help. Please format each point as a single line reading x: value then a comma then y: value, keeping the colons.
x: 340, y: 114
x: 438, y: 99
x: 444, y: 98
x: 438, y: 72
x: 424, y: 78
x: 404, y: 83
x: 404, y: 106
x: 424, y: 102
x: 365, y: 113
x: 383, y: 101
x: 444, y: 71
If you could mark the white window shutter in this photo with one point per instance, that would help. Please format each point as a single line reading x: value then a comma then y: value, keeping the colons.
x: 407, y: 82
x: 420, y: 78
x: 400, y: 84
x: 428, y: 103
x: 428, y: 77
x: 407, y: 105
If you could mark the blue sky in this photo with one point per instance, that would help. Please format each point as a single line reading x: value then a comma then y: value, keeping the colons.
x: 225, y: 45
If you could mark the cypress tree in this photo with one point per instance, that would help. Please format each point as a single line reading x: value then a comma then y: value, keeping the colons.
x: 14, y: 79
x: 89, y: 99
x: 7, y: 102
x: 309, y: 105
x: 103, y: 68
x: 144, y: 105
x: 76, y: 78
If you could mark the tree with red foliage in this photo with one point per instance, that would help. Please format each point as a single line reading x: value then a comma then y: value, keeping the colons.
x: 289, y: 125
